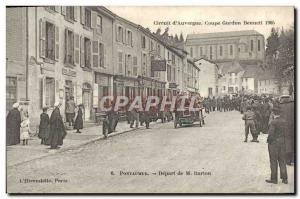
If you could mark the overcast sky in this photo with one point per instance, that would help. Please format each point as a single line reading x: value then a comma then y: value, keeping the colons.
x: 146, y: 16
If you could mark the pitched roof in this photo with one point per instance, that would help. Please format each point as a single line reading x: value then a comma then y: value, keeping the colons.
x: 230, y: 67
x: 222, y: 34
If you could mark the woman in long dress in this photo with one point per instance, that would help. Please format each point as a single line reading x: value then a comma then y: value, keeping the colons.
x: 78, y: 121
x: 13, y: 124
x: 57, y: 129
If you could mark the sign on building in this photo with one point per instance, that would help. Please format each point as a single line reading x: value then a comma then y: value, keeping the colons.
x: 158, y: 65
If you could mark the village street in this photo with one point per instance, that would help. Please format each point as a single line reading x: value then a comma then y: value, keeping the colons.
x: 157, y: 160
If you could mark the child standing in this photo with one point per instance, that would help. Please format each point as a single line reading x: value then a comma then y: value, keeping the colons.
x: 24, y: 136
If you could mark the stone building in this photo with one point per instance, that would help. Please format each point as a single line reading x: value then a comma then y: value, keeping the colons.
x: 234, y: 52
x: 208, y: 77
x: 68, y: 51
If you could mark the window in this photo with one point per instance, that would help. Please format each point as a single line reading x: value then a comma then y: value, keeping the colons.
x: 173, y: 74
x: 191, y: 51
x: 134, y: 71
x: 239, y: 50
x: 11, y: 92
x: 50, y: 92
x: 158, y: 48
x: 231, y: 50
x: 235, y: 80
x: 87, y: 18
x: 69, y: 47
x: 128, y: 65
x: 258, y: 45
x: 50, y: 41
x: 87, y: 52
x: 101, y: 54
x: 144, y: 64
x: 251, y: 45
x: 173, y: 59
x: 221, y: 50
x: 168, y: 55
x: 70, y: 13
x: 210, y: 52
x: 120, y: 59
x: 210, y: 91
x: 129, y: 38
x: 99, y: 24
x: 143, y: 42
x: 151, y: 45
x: 224, y: 88
x: 169, y: 73
x: 120, y: 34
x: 201, y: 51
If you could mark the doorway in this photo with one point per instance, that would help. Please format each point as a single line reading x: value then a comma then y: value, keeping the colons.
x: 87, y: 101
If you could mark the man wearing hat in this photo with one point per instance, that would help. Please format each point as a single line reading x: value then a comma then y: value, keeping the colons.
x: 276, y: 147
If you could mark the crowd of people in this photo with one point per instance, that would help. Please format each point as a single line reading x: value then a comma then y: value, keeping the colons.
x: 261, y: 114
x: 51, y: 130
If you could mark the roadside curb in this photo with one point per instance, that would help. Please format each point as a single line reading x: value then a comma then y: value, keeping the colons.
x: 72, y: 147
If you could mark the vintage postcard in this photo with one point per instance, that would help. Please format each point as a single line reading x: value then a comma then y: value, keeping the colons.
x: 150, y: 99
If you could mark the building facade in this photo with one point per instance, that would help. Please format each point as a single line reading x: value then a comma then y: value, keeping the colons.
x: 69, y: 52
x: 234, y: 52
x: 87, y: 52
x: 208, y: 83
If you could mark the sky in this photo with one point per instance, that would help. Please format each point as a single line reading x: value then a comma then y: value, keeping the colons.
x: 148, y: 15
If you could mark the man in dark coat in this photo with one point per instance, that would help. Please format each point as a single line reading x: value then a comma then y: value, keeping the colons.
x: 44, y: 126
x: 276, y: 147
x: 79, y: 121
x: 13, y: 123
x: 57, y: 128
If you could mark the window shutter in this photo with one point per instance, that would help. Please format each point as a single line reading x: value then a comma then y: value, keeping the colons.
x: 93, y: 19
x: 66, y: 45
x: 131, y: 39
x: 57, y: 8
x: 76, y: 48
x: 43, y: 91
x: 124, y: 35
x: 64, y: 10
x: 56, y: 43
x: 82, y: 51
x: 95, y: 53
x: 42, y: 38
x: 75, y: 13
x: 116, y: 27
x: 105, y: 57
x: 82, y: 15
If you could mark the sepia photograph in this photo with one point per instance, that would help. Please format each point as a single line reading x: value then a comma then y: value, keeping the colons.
x: 150, y: 99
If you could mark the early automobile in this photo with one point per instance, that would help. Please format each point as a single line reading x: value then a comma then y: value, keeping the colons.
x: 188, y: 117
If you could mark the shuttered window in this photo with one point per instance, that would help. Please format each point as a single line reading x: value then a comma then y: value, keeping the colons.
x: 87, y: 17
x: 50, y: 41
x: 70, y: 13
x: 69, y: 47
x: 120, y: 61
x: 101, y: 54
x: 87, y: 52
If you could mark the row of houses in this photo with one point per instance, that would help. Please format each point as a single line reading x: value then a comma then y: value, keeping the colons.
x: 55, y: 52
